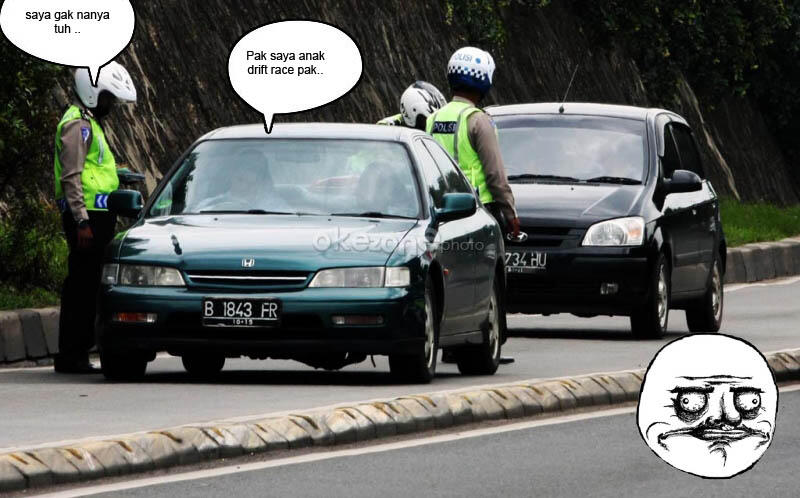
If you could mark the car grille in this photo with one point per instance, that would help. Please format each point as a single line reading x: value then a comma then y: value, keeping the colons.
x: 549, y: 237
x: 250, y: 279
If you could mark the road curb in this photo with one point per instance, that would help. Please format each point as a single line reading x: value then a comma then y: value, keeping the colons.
x: 763, y: 261
x: 141, y: 452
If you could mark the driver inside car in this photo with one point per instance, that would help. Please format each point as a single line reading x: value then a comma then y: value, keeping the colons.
x: 249, y: 186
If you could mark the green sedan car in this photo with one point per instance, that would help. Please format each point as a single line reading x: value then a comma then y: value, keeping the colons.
x: 321, y: 243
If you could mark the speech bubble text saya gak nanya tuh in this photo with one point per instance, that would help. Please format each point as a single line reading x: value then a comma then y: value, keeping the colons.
x: 78, y: 33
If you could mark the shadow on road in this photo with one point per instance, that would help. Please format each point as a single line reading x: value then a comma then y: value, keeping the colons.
x: 585, y: 334
x: 233, y: 376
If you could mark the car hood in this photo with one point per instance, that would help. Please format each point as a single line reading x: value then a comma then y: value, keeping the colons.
x: 572, y: 205
x: 221, y: 242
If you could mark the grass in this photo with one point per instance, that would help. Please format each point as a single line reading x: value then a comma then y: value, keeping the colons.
x: 11, y: 298
x: 744, y: 223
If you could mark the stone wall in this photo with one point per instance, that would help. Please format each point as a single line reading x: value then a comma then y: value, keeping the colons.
x: 179, y: 53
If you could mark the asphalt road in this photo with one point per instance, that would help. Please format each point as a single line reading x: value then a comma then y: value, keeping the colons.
x: 41, y: 407
x: 596, y: 457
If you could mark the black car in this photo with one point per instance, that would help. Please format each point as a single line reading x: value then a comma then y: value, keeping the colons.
x: 617, y: 216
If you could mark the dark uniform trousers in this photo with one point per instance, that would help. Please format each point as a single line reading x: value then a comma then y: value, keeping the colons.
x: 79, y: 294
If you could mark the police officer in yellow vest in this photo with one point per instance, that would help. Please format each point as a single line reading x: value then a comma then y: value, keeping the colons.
x: 417, y: 103
x: 469, y: 135
x: 85, y: 174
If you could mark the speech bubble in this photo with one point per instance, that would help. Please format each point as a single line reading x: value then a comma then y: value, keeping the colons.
x: 293, y: 66
x: 78, y: 33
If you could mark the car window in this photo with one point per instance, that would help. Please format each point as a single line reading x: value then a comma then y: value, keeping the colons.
x: 434, y: 180
x: 687, y: 149
x: 573, y: 146
x: 456, y: 182
x: 671, y: 161
x: 326, y: 177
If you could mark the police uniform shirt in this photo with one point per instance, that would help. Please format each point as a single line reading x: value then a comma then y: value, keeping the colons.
x: 483, y: 138
x: 76, y: 136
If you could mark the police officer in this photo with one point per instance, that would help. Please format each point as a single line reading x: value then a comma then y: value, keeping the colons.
x: 418, y: 101
x: 85, y: 173
x: 469, y: 135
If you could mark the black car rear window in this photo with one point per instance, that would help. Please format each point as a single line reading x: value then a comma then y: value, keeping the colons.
x: 577, y: 147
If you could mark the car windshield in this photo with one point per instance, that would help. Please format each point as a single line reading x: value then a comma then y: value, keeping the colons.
x: 572, y: 148
x: 292, y: 176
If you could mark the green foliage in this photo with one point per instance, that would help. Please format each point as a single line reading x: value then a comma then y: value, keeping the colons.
x: 12, y: 298
x: 32, y: 248
x: 26, y: 120
x: 717, y: 45
x: 480, y: 21
x: 744, y: 223
x: 722, y: 47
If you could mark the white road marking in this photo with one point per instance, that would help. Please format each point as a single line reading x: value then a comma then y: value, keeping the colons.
x: 315, y: 457
x: 765, y: 283
x: 366, y: 450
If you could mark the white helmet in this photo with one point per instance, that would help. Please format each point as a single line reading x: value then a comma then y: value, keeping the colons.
x: 471, y: 69
x: 113, y: 78
x: 420, y: 100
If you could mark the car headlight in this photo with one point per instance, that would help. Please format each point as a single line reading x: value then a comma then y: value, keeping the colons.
x: 616, y: 233
x: 376, y: 276
x: 141, y: 275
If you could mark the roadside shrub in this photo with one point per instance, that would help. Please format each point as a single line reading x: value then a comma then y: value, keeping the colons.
x: 32, y: 248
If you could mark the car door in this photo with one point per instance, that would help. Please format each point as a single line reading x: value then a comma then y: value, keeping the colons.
x: 677, y: 219
x: 452, y: 253
x: 704, y: 206
x: 482, y: 251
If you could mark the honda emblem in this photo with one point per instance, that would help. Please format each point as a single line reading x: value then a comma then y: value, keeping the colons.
x: 248, y: 262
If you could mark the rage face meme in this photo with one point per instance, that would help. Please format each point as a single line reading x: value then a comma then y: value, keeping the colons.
x: 708, y: 405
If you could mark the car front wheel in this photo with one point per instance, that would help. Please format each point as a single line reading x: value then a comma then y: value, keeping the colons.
x: 650, y: 321
x: 705, y: 315
x: 483, y: 359
x: 420, y: 368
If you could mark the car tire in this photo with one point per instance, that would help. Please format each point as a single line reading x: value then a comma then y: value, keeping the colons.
x: 420, y: 368
x: 484, y: 358
x: 203, y: 365
x: 705, y: 314
x: 122, y: 367
x: 651, y: 320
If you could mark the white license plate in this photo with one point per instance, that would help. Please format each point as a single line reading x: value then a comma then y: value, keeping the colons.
x: 241, y: 312
x: 525, y: 261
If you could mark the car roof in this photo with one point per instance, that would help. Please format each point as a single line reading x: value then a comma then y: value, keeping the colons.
x: 579, y: 108
x: 342, y: 131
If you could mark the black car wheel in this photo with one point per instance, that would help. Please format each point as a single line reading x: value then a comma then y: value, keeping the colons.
x: 203, y: 365
x: 483, y: 359
x: 420, y: 367
x: 705, y: 315
x: 122, y: 367
x: 650, y: 321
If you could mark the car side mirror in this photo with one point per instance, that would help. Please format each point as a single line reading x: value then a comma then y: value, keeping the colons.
x: 128, y: 177
x: 127, y: 203
x: 683, y: 181
x: 455, y: 206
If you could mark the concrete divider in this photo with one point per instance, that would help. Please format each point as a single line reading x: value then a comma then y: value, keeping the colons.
x: 763, y: 261
x: 141, y: 452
